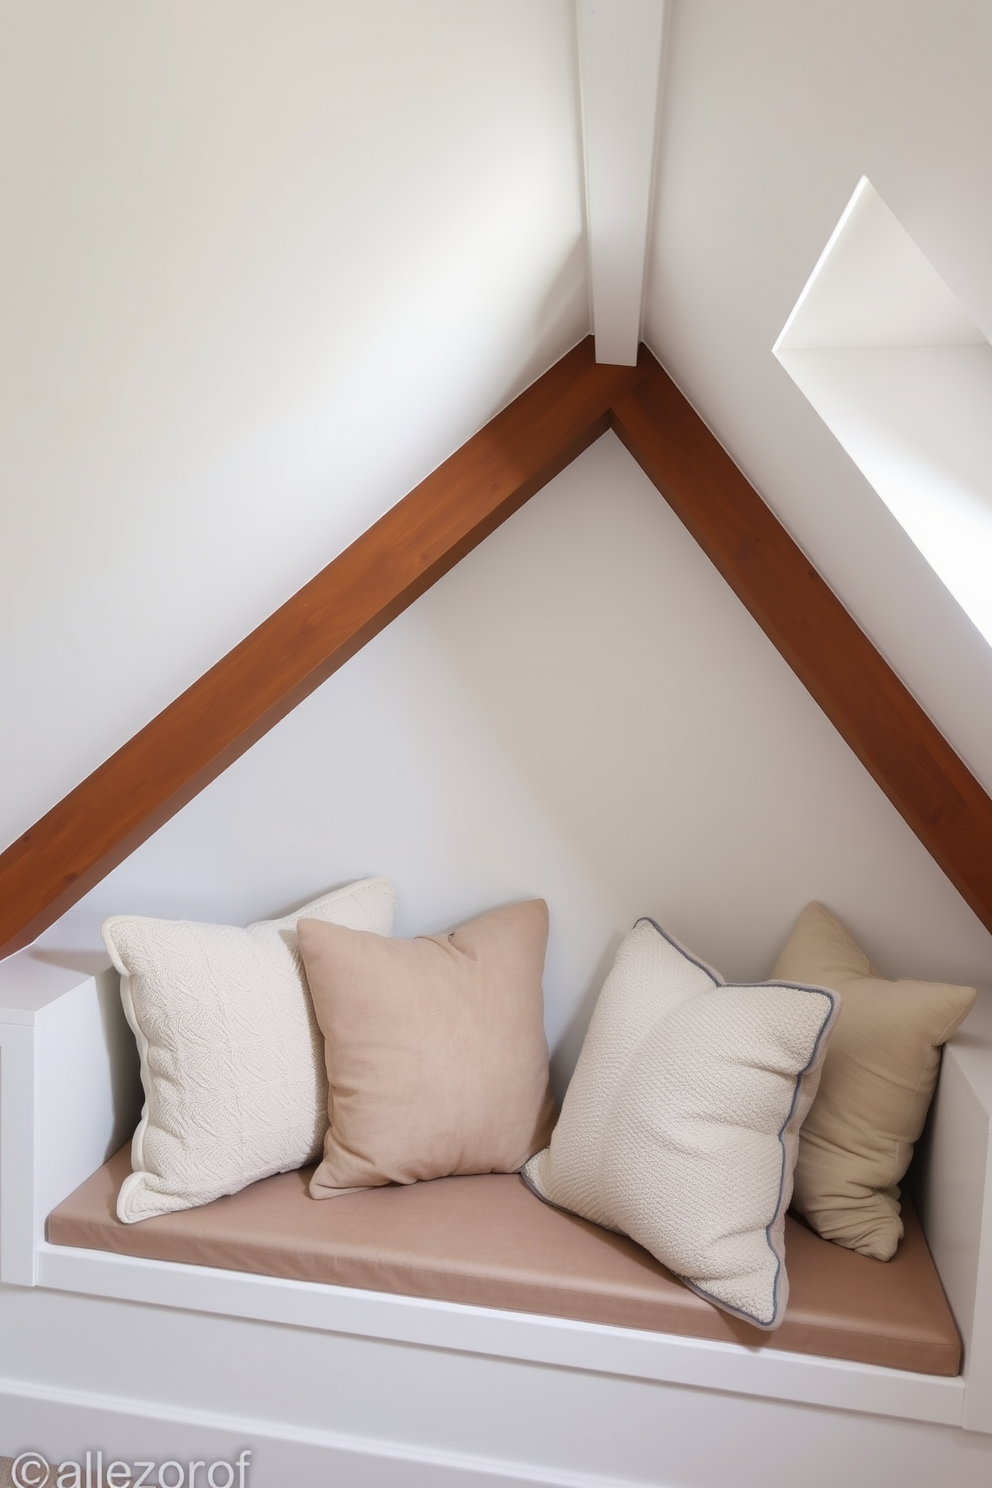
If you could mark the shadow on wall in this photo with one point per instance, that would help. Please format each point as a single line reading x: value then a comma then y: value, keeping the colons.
x: 562, y: 318
x: 673, y: 749
x: 568, y: 1045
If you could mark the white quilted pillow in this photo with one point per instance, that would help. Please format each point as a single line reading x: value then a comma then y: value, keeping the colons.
x: 681, y: 1124
x: 232, y: 1060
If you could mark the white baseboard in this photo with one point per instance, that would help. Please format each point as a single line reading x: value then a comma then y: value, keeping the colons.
x: 702, y: 1440
x: 64, y: 1424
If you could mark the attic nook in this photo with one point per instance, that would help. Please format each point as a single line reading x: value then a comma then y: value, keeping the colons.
x: 811, y: 758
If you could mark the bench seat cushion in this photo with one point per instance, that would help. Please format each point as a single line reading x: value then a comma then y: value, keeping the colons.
x: 487, y: 1241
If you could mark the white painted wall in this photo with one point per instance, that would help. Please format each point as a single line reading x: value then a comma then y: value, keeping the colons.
x: 581, y: 710
x: 269, y: 267
x: 262, y: 267
x: 771, y: 113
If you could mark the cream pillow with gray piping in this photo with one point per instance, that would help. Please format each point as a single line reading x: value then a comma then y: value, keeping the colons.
x: 232, y: 1060
x: 681, y: 1124
x: 877, y: 1083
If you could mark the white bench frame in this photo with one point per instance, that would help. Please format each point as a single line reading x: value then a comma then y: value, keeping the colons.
x: 68, y: 1097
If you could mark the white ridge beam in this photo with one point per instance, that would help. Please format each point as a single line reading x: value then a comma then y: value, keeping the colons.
x: 620, y: 69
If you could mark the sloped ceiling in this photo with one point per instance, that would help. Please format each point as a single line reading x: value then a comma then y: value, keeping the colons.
x: 263, y: 268
x: 772, y: 112
x: 581, y: 709
x: 270, y: 265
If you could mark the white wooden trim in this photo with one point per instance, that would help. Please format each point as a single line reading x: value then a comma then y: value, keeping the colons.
x: 18, y: 1154
x: 281, y: 1454
x: 701, y: 1363
x: 69, y: 1084
x: 620, y: 70
x: 955, y: 1201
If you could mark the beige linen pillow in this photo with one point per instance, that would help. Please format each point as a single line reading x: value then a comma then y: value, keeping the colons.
x: 437, y: 1061
x: 681, y: 1124
x: 231, y: 1057
x: 877, y: 1083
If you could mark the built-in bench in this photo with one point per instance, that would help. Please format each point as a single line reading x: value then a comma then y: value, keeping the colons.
x: 488, y: 1242
x: 460, y: 1321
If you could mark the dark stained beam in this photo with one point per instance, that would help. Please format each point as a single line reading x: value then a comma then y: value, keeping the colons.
x: 856, y: 688
x: 123, y: 802
x: 147, y: 781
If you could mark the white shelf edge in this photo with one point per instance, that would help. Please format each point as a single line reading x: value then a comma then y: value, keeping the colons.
x: 592, y: 1347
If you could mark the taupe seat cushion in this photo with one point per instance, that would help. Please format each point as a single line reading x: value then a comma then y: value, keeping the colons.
x: 488, y: 1241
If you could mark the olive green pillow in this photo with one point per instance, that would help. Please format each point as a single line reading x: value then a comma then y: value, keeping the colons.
x: 878, y: 1079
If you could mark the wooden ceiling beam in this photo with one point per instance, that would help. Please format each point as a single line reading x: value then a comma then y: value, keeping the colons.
x: 112, y: 812
x: 879, y: 718
x: 192, y: 741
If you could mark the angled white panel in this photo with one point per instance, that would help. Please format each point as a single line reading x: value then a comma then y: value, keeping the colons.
x: 873, y: 286
x: 902, y: 376
x: 620, y: 65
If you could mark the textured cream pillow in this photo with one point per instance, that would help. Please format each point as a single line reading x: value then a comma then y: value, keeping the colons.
x: 437, y: 1061
x: 231, y: 1057
x: 877, y: 1084
x: 681, y: 1123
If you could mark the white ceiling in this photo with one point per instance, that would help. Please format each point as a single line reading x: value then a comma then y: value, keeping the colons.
x: 262, y: 267
x: 772, y: 112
